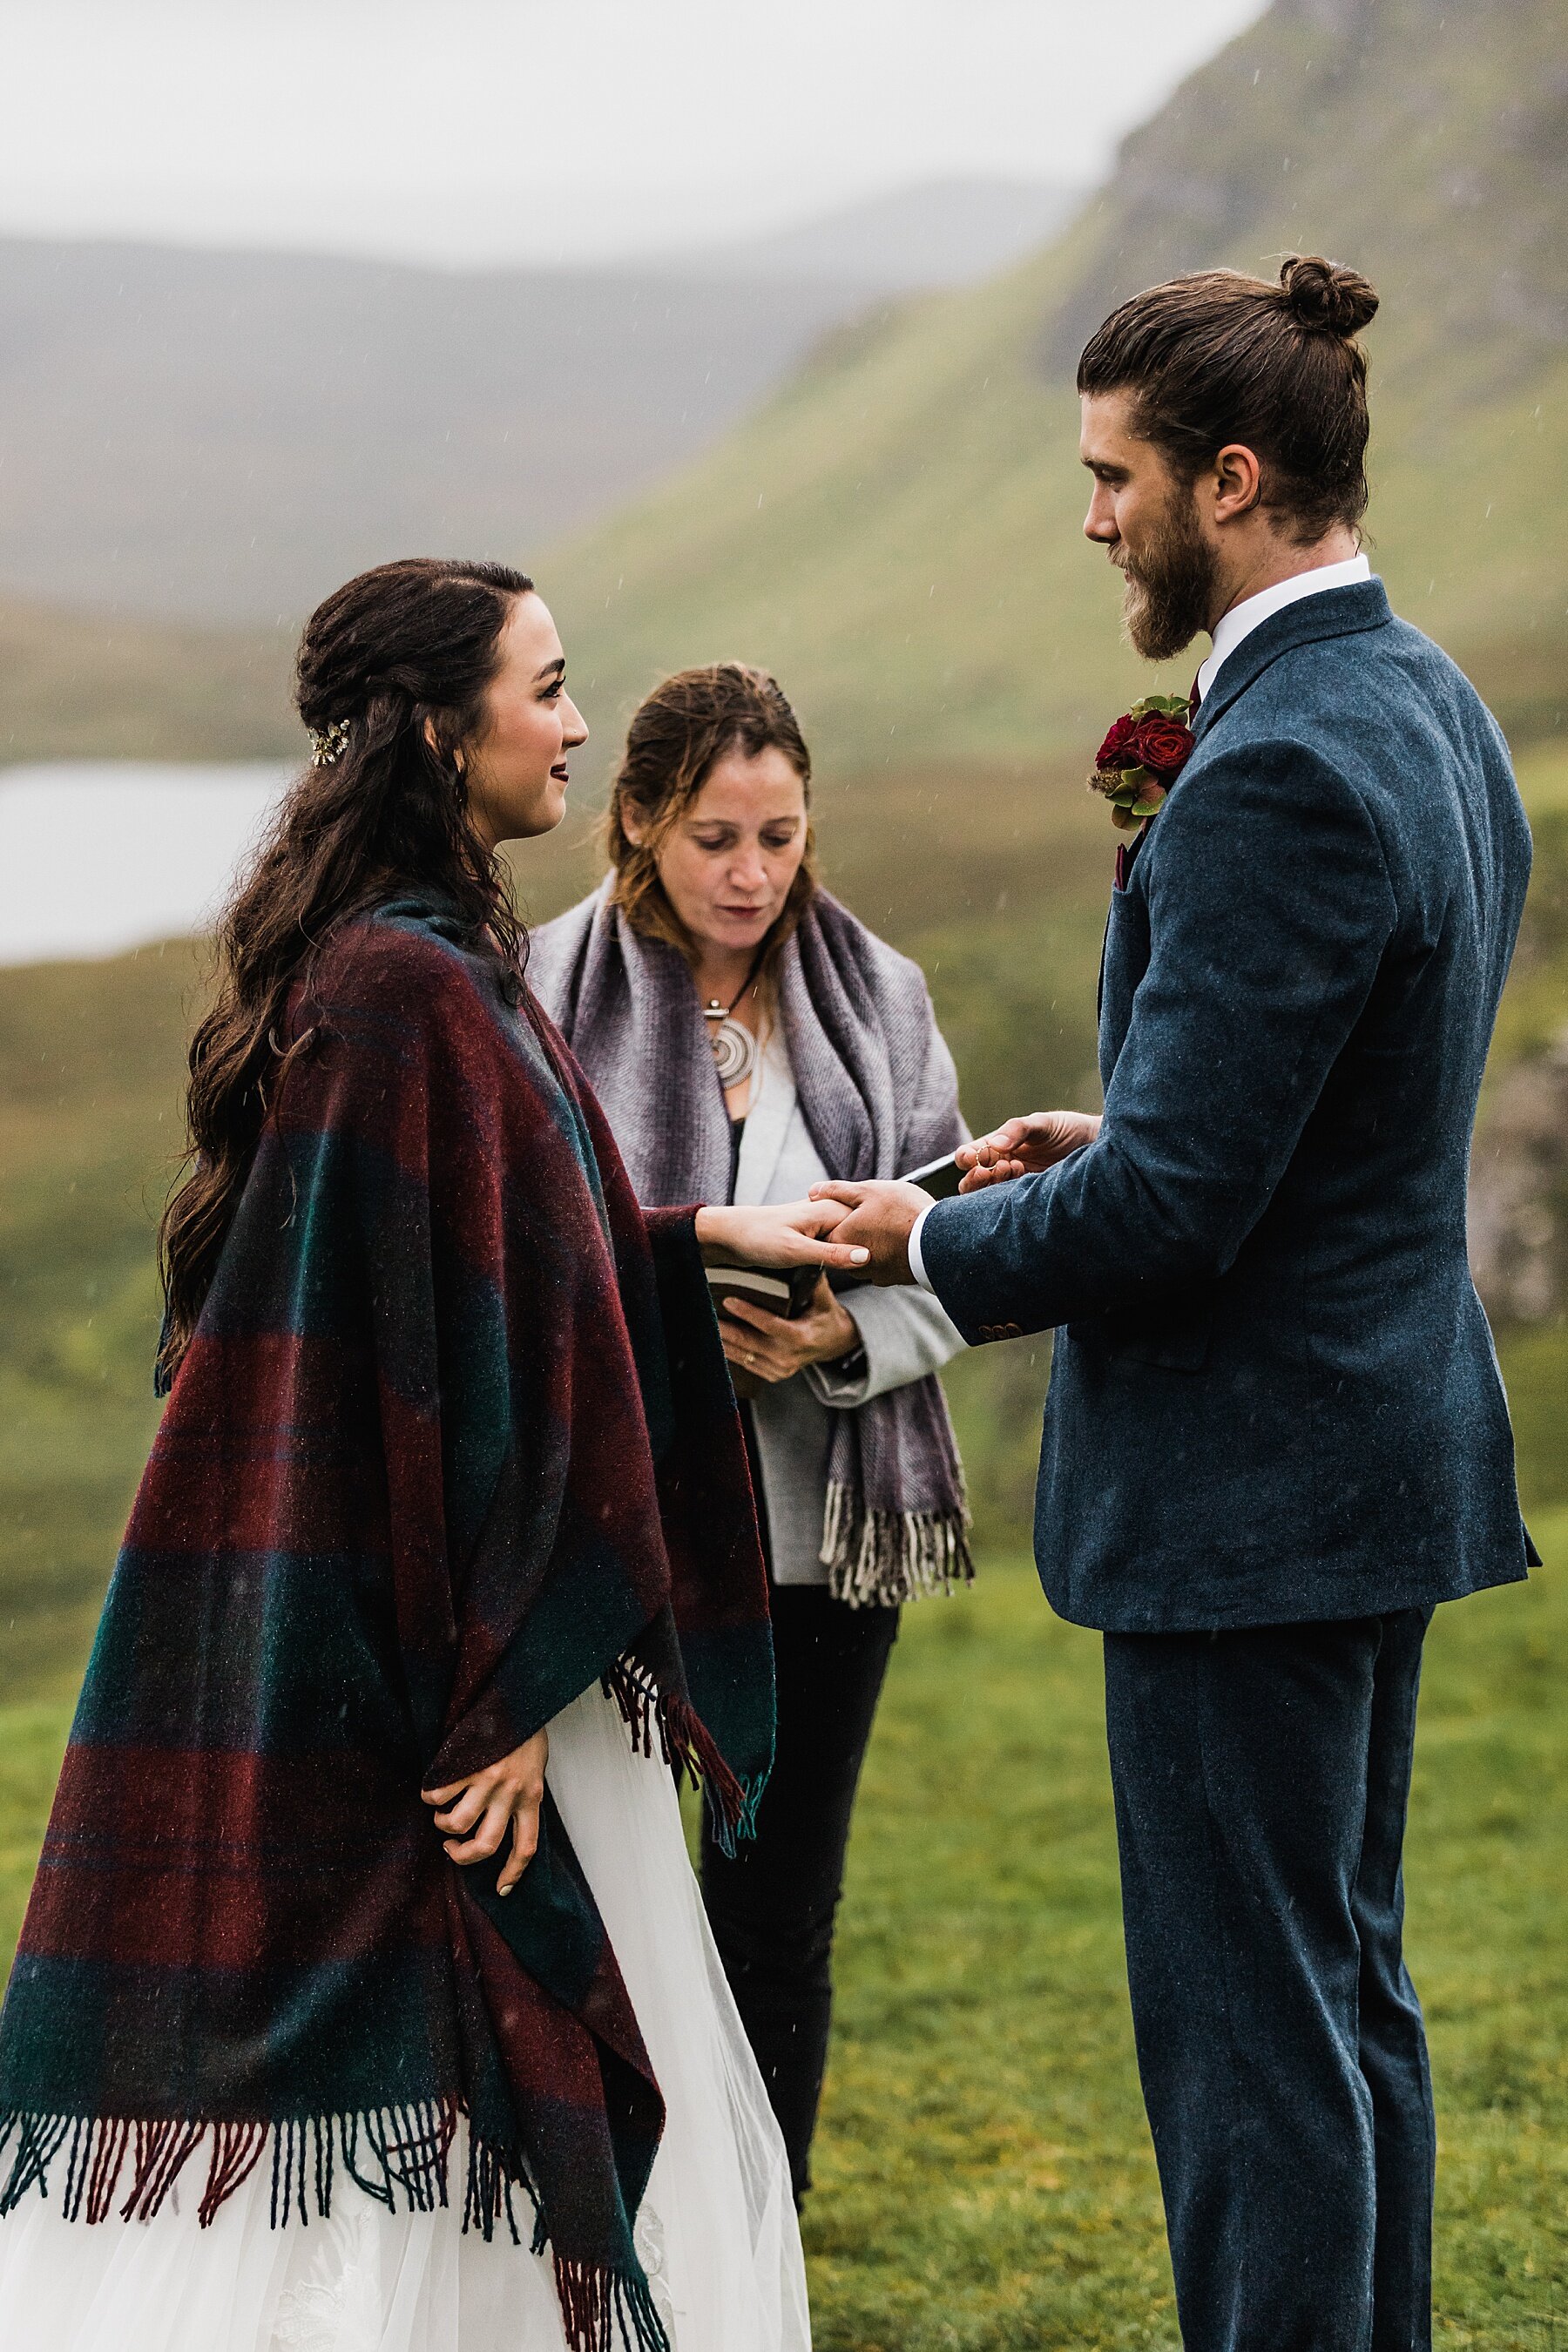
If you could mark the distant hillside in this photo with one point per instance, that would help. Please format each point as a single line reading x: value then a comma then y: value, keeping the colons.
x: 94, y: 685
x: 225, y: 435
x: 898, y: 531
x: 946, y: 234
x: 215, y: 434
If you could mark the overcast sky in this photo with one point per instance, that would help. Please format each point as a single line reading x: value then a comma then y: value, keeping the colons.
x: 546, y: 129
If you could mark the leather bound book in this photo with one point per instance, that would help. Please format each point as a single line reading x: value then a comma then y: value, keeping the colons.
x: 789, y: 1295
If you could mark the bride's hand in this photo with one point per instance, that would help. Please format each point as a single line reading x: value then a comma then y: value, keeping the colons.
x: 477, y: 1812
x: 790, y: 1233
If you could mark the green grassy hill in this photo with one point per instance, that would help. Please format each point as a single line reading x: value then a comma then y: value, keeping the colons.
x: 86, y: 686
x: 897, y: 531
x: 898, y: 534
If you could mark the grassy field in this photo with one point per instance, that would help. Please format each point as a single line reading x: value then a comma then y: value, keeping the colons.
x: 985, y: 2181
x: 102, y: 686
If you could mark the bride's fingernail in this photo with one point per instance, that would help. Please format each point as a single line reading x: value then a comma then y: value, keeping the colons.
x: 858, y: 1257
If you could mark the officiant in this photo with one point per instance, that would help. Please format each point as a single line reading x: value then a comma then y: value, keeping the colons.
x: 747, y: 1036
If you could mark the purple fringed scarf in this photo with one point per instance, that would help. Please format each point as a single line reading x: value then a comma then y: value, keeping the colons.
x: 878, y: 1092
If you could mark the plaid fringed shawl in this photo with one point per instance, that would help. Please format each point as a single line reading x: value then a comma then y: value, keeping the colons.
x: 451, y: 1444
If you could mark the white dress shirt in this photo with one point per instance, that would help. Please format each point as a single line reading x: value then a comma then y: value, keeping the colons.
x: 1230, y: 630
x: 1242, y: 619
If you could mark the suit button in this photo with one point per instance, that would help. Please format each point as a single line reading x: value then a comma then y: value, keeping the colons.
x: 1012, y: 1330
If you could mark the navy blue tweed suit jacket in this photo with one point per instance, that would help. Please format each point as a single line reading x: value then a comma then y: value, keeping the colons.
x: 1274, y: 1397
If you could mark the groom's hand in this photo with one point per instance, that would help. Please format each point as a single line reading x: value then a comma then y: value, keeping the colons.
x: 1023, y: 1146
x: 878, y: 1217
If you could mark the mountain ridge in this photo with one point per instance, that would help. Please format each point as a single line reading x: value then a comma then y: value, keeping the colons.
x: 200, y: 434
x: 935, y: 233
x: 897, y: 530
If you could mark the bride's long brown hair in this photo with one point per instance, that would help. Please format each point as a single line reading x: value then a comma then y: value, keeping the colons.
x: 396, y: 665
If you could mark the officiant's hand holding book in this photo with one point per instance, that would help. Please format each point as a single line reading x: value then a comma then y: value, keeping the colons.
x: 776, y: 1314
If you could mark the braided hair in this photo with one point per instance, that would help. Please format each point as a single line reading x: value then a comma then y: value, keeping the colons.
x: 392, y: 679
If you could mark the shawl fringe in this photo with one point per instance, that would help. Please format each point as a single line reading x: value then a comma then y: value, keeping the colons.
x: 388, y: 2151
x: 687, y: 1746
x: 384, y: 2150
x: 882, y: 1558
x: 597, y: 2304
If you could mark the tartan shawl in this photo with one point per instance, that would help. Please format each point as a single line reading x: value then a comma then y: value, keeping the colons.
x: 454, y: 1441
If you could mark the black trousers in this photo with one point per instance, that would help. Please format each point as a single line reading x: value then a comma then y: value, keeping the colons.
x: 771, y: 1907
x: 1261, y: 1779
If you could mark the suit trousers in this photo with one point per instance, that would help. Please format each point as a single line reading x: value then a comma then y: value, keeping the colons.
x: 1261, y: 1779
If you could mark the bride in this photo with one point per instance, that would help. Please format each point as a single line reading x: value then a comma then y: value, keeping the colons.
x: 364, y: 2002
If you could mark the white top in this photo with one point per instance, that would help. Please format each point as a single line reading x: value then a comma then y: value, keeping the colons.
x: 1230, y: 630
x: 904, y: 1336
x: 1242, y: 618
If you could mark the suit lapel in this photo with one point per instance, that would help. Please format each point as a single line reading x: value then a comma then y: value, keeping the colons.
x: 1336, y: 613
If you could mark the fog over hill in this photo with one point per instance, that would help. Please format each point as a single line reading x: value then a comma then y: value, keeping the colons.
x: 228, y: 434
x: 944, y: 235
x: 898, y: 531
x: 223, y: 436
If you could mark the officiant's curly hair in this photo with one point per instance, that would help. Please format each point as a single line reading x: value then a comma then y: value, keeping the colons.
x: 675, y: 741
x: 393, y: 673
x: 1220, y: 357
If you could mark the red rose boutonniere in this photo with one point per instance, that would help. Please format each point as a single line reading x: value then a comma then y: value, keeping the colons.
x: 1141, y: 757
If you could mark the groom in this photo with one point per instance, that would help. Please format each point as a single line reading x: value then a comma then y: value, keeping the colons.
x: 1276, y: 1437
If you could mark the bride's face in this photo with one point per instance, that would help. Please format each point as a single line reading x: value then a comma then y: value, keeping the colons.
x: 518, y: 770
x: 727, y: 863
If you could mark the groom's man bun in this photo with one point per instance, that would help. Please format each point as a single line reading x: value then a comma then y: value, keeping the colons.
x: 1322, y: 294
x: 1220, y: 357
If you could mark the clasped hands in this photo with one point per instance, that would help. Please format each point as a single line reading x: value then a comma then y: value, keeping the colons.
x: 879, y: 1217
x: 869, y: 1225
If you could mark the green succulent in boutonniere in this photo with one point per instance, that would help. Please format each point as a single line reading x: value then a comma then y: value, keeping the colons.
x: 1141, y: 757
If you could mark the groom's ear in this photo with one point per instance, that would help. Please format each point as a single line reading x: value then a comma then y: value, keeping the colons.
x: 1237, y: 479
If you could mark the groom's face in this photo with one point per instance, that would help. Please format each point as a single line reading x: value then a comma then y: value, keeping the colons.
x: 1147, y: 520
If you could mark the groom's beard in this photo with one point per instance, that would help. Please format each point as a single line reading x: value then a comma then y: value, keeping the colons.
x: 1170, y: 585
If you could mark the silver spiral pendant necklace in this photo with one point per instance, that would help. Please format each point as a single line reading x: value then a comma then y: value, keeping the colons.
x: 734, y: 1047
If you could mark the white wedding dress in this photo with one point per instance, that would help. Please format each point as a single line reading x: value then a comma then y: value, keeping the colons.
x: 717, y: 2231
